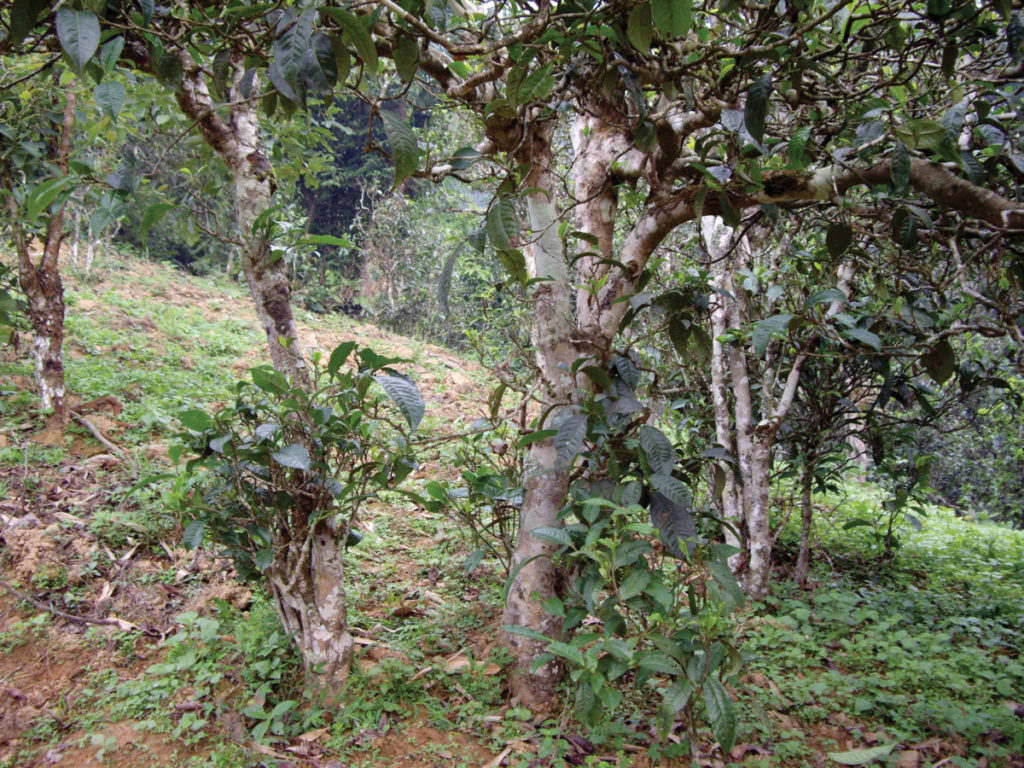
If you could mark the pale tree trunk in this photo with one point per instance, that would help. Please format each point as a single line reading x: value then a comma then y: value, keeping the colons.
x: 803, y: 560
x: 240, y: 145
x: 307, y: 580
x: 44, y: 291
x: 535, y: 577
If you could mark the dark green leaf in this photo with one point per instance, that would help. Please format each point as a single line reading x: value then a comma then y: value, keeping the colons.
x: 24, y: 14
x: 406, y: 395
x: 940, y: 362
x: 865, y: 337
x: 900, y: 165
x: 638, y: 27
x: 828, y: 295
x: 756, y: 109
x: 674, y: 521
x: 656, y: 661
x: 153, y: 214
x: 196, y: 420
x: 192, y: 536
x: 721, y: 713
x: 863, y: 756
x: 263, y: 560
x: 110, y: 96
x: 148, y: 8
x: 79, y: 35
x: 359, y: 36
x: 1015, y: 37
x: 552, y: 534
x: 515, y: 264
x: 660, y: 453
x: 677, y: 696
x: 405, y: 151
x: 673, y: 18
x: 635, y: 583
x: 110, y: 53
x: 40, y: 198
x: 503, y: 224
x: 797, y: 148
x: 904, y: 228
x: 269, y: 380
x: 572, y: 429
x: 537, y: 86
x: 339, y: 356
x: 318, y: 70
x: 169, y: 70
x: 730, y: 215
x: 407, y: 58
x: 838, y: 239
x: 293, y: 456
x: 766, y: 329
x: 950, y: 53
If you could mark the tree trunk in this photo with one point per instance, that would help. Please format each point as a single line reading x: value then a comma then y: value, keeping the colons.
x: 803, y: 560
x: 239, y: 144
x: 534, y: 577
x: 309, y: 592
x: 44, y: 290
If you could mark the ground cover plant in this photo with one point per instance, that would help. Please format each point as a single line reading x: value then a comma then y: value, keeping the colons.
x: 911, y: 656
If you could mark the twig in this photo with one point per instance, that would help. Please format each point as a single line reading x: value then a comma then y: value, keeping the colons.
x: 119, y: 623
x: 98, y: 435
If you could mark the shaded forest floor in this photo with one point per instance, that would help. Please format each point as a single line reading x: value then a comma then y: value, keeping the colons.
x: 919, y: 653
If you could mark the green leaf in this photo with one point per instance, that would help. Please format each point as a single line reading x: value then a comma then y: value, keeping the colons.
x: 552, y: 534
x: 660, y: 453
x: 797, y: 148
x: 865, y: 337
x: 724, y: 578
x: 406, y: 395
x: 148, y: 8
x: 904, y: 228
x: 921, y: 134
x: 674, y: 522
x: 515, y: 264
x: 827, y: 296
x: 572, y: 429
x: 292, y: 40
x: 110, y: 96
x: 900, y: 165
x: 863, y: 756
x: 293, y: 456
x: 673, y: 18
x: 339, y: 356
x: 765, y: 330
x: 24, y: 14
x: 110, y: 53
x: 359, y: 36
x: 656, y: 661
x: 756, y: 109
x: 635, y: 583
x: 407, y: 58
x: 318, y: 70
x: 405, y: 151
x: 269, y: 380
x: 721, y: 713
x: 263, y: 560
x: 503, y: 224
x: 40, y: 198
x: 153, y: 214
x: 940, y: 362
x: 639, y: 28
x: 838, y: 239
x: 677, y: 696
x: 79, y: 35
x: 538, y: 85
x: 169, y: 70
x: 192, y: 536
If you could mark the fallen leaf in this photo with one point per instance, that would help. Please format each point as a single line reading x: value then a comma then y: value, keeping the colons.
x: 313, y: 735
